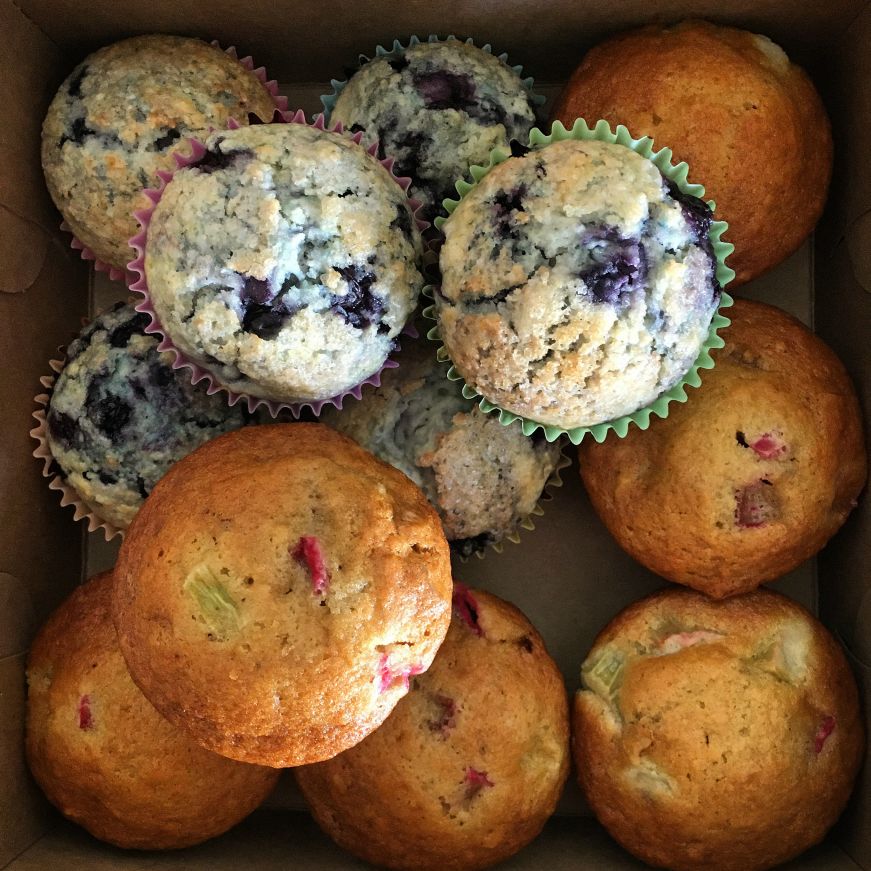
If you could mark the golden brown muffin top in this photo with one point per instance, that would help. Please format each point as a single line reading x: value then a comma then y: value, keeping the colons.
x: 278, y: 589
x: 752, y: 475
x: 104, y: 755
x: 470, y: 764
x: 716, y: 734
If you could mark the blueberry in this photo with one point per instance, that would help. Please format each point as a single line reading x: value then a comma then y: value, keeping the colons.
x: 696, y: 212
x: 263, y: 320
x: 402, y: 221
x: 216, y: 159
x: 167, y: 139
x: 109, y: 414
x: 62, y: 427
x: 414, y: 143
x: 78, y: 133
x: 120, y: 336
x: 441, y: 89
x: 255, y: 290
x: 359, y: 306
x: 506, y: 203
x: 74, y: 88
x: 346, y: 193
x: 106, y: 478
x: 619, y: 265
x: 399, y: 64
x: 474, y: 544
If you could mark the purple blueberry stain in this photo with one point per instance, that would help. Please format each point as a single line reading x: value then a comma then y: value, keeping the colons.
x: 62, y: 427
x: 121, y: 335
x: 74, y: 88
x: 109, y: 413
x: 359, y: 307
x: 79, y: 131
x: 263, y: 321
x: 442, y: 90
x: 255, y: 290
x: 506, y: 204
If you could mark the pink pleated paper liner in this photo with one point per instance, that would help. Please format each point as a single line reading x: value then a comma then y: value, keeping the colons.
x: 42, y: 452
x: 199, y: 373
x: 271, y: 85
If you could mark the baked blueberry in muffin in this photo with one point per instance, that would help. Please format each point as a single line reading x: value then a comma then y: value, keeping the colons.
x: 119, y: 415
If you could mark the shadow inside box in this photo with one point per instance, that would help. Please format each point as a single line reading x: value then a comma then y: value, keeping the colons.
x: 278, y: 841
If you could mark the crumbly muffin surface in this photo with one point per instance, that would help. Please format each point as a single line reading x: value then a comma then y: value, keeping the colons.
x: 577, y: 283
x: 285, y: 262
x: 118, y: 118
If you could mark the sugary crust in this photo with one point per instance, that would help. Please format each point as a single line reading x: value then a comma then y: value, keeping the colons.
x: 105, y: 757
x: 127, y: 98
x: 276, y: 591
x: 749, y: 123
x: 493, y: 703
x: 680, y: 497
x: 725, y: 735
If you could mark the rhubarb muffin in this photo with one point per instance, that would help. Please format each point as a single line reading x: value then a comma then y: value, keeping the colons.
x: 723, y: 735
x: 105, y: 757
x: 749, y: 478
x: 277, y: 591
x: 120, y: 114
x: 484, y: 479
x: 437, y: 107
x: 285, y: 262
x: 578, y: 284
x: 468, y: 768
x: 119, y: 415
x: 750, y: 124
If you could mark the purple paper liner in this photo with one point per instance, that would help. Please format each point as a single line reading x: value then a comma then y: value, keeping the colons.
x: 199, y: 373
x: 42, y: 452
x: 271, y: 85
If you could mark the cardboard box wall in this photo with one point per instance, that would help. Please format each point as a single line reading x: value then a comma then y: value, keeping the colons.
x: 45, y: 289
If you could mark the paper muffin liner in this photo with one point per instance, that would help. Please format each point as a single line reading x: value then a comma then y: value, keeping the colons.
x: 180, y: 359
x: 271, y: 85
x: 724, y: 274
x: 69, y: 496
x: 553, y: 482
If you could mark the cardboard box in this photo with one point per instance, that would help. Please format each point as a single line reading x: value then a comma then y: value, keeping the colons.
x: 568, y: 575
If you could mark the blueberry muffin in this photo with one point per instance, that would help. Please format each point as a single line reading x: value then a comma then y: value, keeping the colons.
x: 118, y: 117
x: 749, y: 123
x: 577, y: 283
x: 752, y: 476
x: 718, y: 735
x: 285, y: 262
x: 468, y: 768
x: 278, y: 590
x: 483, y: 478
x: 105, y: 757
x: 437, y: 107
x: 119, y: 415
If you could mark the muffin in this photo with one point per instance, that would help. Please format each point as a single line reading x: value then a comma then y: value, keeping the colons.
x: 484, y: 479
x: 105, y: 757
x: 119, y: 415
x: 749, y: 123
x: 717, y: 735
x: 752, y: 476
x: 437, y: 107
x: 285, y: 262
x: 118, y: 117
x: 468, y: 768
x: 577, y: 283
x: 277, y: 591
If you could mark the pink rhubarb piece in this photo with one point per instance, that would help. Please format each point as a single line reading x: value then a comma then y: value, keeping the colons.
x: 826, y: 728
x: 466, y: 608
x: 86, y: 721
x: 308, y: 552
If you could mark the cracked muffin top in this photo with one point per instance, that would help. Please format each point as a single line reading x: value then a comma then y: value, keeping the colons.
x: 118, y: 117
x: 483, y: 478
x: 102, y: 753
x: 577, y: 283
x: 437, y: 107
x: 749, y: 478
x: 719, y: 735
x: 119, y: 415
x: 285, y: 262
x: 278, y: 589
x: 469, y: 766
